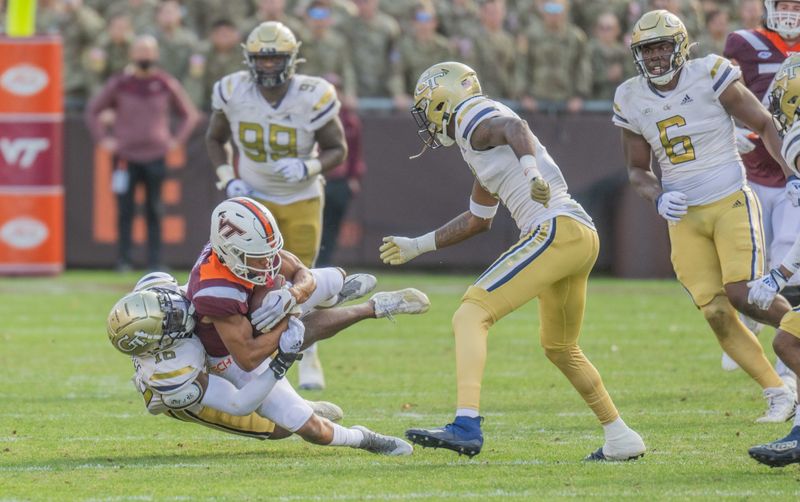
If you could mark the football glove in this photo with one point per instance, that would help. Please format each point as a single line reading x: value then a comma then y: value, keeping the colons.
x: 291, y: 169
x: 793, y: 190
x: 238, y: 188
x: 672, y: 205
x: 763, y: 291
x: 540, y: 191
x: 275, y: 306
x: 743, y: 142
x: 399, y: 250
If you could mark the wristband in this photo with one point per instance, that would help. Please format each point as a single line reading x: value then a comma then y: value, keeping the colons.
x: 530, y: 168
x: 427, y: 242
x: 481, y: 211
x: 313, y: 167
x: 225, y: 174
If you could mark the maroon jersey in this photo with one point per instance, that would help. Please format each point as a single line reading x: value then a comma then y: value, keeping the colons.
x: 216, y: 292
x: 759, y: 54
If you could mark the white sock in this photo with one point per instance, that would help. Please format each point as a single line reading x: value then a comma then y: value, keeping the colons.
x: 329, y: 283
x: 467, y: 412
x: 310, y: 352
x: 616, y: 429
x: 797, y: 416
x: 343, y: 436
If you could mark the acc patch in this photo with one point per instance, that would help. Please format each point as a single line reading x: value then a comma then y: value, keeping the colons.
x: 764, y: 54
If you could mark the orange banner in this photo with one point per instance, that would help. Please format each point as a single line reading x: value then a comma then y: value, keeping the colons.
x: 32, y: 231
x: 30, y: 76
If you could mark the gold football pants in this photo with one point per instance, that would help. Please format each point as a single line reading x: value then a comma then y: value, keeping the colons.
x: 300, y: 224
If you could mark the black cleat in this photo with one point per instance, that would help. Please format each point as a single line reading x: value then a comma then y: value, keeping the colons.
x: 463, y: 436
x: 779, y: 453
x: 599, y: 456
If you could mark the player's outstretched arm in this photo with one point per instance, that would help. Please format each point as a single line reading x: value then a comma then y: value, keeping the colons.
x: 742, y: 105
x: 483, y: 206
x: 217, y: 136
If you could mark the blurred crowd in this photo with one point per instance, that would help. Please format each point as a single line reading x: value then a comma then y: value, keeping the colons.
x: 535, y: 52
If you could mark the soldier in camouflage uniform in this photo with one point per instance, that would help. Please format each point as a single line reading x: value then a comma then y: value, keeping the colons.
x: 373, y: 41
x: 201, y: 15
x: 275, y: 10
x: 713, y: 40
x: 176, y: 43
x: 417, y: 51
x: 141, y: 12
x: 110, y: 52
x: 556, y: 67
x: 585, y: 13
x: 221, y: 56
x: 492, y: 52
x: 609, y: 58
x: 326, y: 51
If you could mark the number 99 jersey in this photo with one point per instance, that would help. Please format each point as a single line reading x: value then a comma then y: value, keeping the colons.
x: 264, y: 134
x: 687, y: 128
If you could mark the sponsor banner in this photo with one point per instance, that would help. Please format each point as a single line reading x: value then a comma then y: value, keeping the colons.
x: 30, y: 153
x: 30, y: 75
x: 31, y: 231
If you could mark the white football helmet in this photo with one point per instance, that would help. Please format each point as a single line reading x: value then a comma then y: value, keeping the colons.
x: 149, y: 320
x: 156, y: 280
x: 785, y: 22
x: 246, y: 239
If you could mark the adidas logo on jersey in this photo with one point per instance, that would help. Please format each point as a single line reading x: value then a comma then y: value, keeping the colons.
x: 686, y: 100
x: 738, y: 203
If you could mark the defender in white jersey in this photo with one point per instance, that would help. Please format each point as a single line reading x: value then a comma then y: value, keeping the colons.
x: 681, y: 110
x: 785, y: 104
x: 155, y: 326
x: 287, y: 132
x: 557, y: 249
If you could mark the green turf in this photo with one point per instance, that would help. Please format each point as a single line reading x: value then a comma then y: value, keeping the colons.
x: 72, y: 427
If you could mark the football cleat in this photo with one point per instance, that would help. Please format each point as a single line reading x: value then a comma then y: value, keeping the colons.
x: 309, y: 371
x: 463, y: 436
x: 405, y: 301
x: 780, y: 452
x: 781, y: 403
x: 383, y: 445
x: 356, y: 286
x: 327, y: 410
x: 629, y: 447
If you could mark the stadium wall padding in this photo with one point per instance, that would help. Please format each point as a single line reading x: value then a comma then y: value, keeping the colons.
x: 399, y: 197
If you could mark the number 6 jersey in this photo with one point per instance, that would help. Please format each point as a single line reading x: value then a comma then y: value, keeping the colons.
x: 687, y: 128
x: 264, y: 134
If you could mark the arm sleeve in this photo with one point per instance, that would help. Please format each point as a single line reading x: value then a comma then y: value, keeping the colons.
x: 224, y: 396
x: 792, y: 259
x: 473, y: 113
x: 326, y: 106
x: 620, y: 116
x: 722, y: 73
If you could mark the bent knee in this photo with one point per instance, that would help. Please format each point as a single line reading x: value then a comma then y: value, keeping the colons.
x: 469, y: 315
x: 718, y: 312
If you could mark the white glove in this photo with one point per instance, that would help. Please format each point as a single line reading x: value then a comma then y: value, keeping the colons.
x: 275, y: 306
x: 672, y: 205
x: 793, y: 190
x: 763, y: 290
x: 743, y: 142
x: 399, y: 250
x: 291, y: 169
x: 292, y: 339
x: 238, y: 188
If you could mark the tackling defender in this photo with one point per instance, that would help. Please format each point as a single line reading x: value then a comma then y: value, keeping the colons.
x: 287, y: 132
x: 785, y: 104
x: 552, y: 260
x: 681, y: 110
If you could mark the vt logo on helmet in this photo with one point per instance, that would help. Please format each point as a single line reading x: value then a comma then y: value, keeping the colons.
x: 656, y: 30
x: 440, y: 89
x: 149, y: 320
x: 271, y: 53
x: 246, y: 239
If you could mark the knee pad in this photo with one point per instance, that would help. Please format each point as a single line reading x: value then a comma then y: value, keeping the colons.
x: 470, y: 315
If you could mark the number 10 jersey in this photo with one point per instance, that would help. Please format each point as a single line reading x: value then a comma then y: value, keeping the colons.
x: 687, y: 128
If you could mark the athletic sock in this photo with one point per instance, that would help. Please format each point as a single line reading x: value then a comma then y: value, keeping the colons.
x: 343, y: 436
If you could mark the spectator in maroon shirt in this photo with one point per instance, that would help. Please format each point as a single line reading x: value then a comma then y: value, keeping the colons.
x: 142, y: 99
x: 342, y: 182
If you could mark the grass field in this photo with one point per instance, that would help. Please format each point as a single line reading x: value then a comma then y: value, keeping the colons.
x: 73, y: 428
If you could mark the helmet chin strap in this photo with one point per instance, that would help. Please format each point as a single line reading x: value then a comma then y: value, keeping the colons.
x: 424, y: 149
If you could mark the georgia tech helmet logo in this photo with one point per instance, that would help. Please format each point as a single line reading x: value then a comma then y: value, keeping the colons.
x: 430, y: 82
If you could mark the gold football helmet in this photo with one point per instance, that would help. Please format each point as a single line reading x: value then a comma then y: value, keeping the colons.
x: 784, y: 98
x: 269, y: 40
x: 660, y: 26
x: 440, y: 89
x: 149, y: 320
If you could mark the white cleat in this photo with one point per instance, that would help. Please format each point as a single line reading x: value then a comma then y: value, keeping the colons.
x: 355, y: 286
x: 629, y: 447
x: 327, y: 410
x: 383, y: 445
x: 309, y: 370
x: 781, y: 402
x: 754, y: 326
x: 789, y: 380
x: 728, y: 364
x: 405, y: 301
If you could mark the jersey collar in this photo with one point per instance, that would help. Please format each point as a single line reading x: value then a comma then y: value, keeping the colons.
x: 779, y: 42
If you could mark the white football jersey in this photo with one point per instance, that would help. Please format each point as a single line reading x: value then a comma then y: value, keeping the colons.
x: 687, y: 128
x: 498, y: 170
x: 791, y: 147
x: 264, y: 134
x: 168, y: 371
